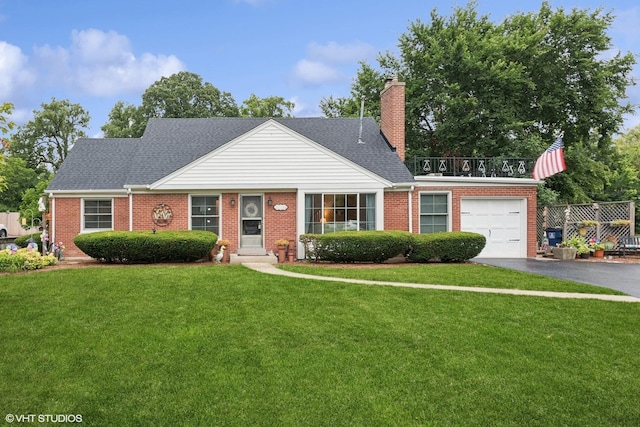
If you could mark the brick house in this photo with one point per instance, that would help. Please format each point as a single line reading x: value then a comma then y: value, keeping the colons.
x: 255, y: 180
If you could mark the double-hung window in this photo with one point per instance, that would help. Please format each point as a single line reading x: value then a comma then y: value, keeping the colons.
x: 205, y: 213
x: 434, y: 212
x: 97, y: 214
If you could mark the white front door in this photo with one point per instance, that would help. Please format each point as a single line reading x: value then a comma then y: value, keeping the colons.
x: 251, y: 236
x: 501, y: 221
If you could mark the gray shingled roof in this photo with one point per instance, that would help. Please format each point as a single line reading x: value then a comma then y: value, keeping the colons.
x: 169, y: 144
x: 96, y: 164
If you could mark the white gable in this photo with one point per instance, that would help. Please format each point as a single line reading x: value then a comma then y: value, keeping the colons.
x: 271, y: 156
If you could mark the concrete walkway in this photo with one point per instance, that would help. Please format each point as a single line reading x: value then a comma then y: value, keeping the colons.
x: 271, y: 269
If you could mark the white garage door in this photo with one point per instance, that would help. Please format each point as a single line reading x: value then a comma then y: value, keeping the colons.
x: 501, y: 221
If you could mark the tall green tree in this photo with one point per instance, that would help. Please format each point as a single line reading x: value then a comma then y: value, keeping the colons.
x: 629, y: 144
x: 6, y: 125
x: 125, y: 121
x: 368, y: 84
x: 45, y: 141
x: 272, y: 106
x: 479, y: 88
x: 19, y: 178
x: 29, y: 206
x: 185, y: 95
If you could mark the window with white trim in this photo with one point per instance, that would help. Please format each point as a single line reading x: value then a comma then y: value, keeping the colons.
x: 205, y: 213
x: 329, y: 212
x: 97, y: 214
x: 434, y: 212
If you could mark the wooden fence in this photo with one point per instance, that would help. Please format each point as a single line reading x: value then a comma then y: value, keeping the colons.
x: 610, y: 218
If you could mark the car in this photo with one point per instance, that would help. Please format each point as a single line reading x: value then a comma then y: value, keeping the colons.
x: 3, y: 231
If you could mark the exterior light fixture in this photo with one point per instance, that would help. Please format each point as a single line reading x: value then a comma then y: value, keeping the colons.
x: 233, y: 201
x: 270, y: 202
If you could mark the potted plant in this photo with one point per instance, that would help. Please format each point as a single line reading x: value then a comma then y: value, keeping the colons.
x: 564, y: 251
x: 597, y: 248
x: 620, y: 223
x: 584, y: 224
x: 282, y: 244
x: 610, y: 242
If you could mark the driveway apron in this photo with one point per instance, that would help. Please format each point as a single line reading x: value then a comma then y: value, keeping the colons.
x: 621, y: 277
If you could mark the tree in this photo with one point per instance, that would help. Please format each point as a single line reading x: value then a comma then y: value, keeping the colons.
x: 272, y: 106
x: 181, y: 95
x: 45, y: 141
x: 475, y: 88
x: 5, y: 127
x: 629, y: 144
x: 185, y: 95
x: 29, y: 206
x: 368, y: 84
x: 19, y: 178
x: 125, y: 121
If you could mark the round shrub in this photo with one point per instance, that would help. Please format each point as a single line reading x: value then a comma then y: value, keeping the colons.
x: 455, y: 246
x: 355, y: 246
x: 146, y: 246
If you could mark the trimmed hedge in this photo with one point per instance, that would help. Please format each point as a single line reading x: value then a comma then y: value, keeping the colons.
x: 355, y: 246
x: 146, y: 246
x: 457, y: 246
x: 379, y: 246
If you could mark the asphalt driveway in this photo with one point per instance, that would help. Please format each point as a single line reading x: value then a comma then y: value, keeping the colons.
x: 613, y: 275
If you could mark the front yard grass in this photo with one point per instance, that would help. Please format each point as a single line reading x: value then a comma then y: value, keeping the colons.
x: 224, y: 345
x: 477, y: 275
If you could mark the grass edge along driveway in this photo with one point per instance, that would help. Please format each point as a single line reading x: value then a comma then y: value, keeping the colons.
x: 185, y: 345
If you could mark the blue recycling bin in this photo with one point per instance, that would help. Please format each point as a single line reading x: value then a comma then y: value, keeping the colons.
x: 554, y: 236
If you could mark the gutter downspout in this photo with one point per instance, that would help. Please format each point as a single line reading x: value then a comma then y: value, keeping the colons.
x: 410, y: 210
x: 130, y: 209
x: 52, y: 225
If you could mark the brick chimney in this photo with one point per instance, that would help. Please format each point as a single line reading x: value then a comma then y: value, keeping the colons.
x: 392, y: 114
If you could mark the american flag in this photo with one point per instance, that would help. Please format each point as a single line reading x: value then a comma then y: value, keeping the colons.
x: 550, y: 162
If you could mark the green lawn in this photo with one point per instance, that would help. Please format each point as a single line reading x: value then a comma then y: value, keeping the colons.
x: 224, y: 345
x: 477, y: 275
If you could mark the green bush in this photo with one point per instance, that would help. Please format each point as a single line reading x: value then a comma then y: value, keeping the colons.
x: 23, y: 260
x: 455, y: 246
x: 147, y: 247
x: 355, y: 246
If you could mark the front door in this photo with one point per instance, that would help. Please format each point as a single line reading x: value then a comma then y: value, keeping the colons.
x: 251, y: 222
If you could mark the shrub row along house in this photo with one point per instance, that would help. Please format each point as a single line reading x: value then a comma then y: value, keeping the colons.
x: 253, y: 181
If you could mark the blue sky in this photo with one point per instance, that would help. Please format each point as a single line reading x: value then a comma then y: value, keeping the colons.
x: 96, y: 53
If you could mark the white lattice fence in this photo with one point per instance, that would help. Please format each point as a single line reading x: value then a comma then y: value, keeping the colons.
x: 610, y: 219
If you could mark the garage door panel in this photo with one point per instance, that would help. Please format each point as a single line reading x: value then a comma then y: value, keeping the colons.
x: 500, y: 221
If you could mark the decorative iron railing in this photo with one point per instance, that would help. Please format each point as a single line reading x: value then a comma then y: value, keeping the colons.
x: 513, y: 167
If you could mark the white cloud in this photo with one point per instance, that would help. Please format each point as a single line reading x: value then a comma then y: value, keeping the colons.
x: 327, y: 63
x: 315, y: 73
x: 335, y: 53
x: 15, y: 72
x: 102, y: 63
x: 98, y: 47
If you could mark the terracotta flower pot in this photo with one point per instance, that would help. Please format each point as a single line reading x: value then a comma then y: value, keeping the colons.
x: 282, y: 252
